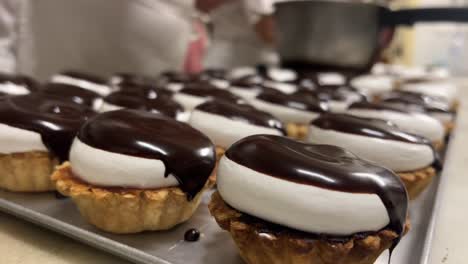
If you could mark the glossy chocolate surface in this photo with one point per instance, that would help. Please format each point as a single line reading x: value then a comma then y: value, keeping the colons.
x: 20, y: 80
x: 192, y: 235
x: 187, y: 154
x: 326, y: 95
x: 377, y: 107
x: 296, y: 101
x: 366, y: 127
x: 70, y: 93
x: 156, y: 100
x: 208, y: 91
x: 242, y: 113
x: 55, y: 120
x: 409, y: 99
x: 374, y: 128
x: 323, y: 166
x: 85, y: 76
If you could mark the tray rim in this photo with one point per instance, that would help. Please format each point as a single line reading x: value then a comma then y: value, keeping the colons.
x: 440, y: 190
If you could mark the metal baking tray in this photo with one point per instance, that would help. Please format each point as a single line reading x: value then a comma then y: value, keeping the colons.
x: 215, y: 245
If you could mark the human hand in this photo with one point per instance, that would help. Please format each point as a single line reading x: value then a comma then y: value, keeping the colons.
x: 265, y: 29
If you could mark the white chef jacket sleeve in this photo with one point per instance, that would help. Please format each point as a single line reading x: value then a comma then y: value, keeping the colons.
x: 257, y: 8
x: 187, y: 5
x: 9, y: 16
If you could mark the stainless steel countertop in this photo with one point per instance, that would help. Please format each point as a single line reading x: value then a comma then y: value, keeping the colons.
x: 450, y: 237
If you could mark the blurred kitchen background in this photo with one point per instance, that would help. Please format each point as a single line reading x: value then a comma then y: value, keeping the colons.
x: 435, y: 44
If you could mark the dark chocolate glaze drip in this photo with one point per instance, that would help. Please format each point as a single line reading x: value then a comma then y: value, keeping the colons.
x: 20, y: 80
x: 372, y: 128
x: 55, y: 120
x: 243, y: 113
x: 423, y: 102
x: 187, y: 154
x: 151, y: 101
x: 323, y: 166
x: 85, y: 76
x: 205, y: 90
x: 70, y: 93
x: 378, y: 107
x: 296, y: 101
x: 365, y: 127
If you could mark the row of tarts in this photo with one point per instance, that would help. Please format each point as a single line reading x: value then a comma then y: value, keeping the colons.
x: 309, y: 167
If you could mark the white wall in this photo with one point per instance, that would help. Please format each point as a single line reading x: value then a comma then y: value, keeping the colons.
x: 441, y: 43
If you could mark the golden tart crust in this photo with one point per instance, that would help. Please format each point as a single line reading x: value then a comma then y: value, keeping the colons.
x: 439, y: 145
x: 260, y: 248
x: 219, y: 153
x: 417, y: 181
x: 27, y: 171
x: 125, y: 211
x: 449, y: 127
x: 297, y: 131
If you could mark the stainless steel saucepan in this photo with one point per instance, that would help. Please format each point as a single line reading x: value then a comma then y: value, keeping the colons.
x: 346, y: 35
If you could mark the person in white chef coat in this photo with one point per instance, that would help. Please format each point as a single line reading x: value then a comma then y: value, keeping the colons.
x: 243, y: 34
x: 99, y: 36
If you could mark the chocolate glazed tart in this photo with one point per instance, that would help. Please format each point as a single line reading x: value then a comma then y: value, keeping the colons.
x: 415, y: 181
x: 294, y: 101
x: 242, y: 113
x: 84, y: 80
x: 187, y: 154
x: 57, y: 123
x: 27, y: 82
x: 438, y: 143
x: 146, y: 99
x: 421, y: 103
x: 73, y: 94
x: 207, y: 90
x: 327, y: 167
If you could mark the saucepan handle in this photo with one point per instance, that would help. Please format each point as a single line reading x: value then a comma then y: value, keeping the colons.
x: 411, y: 16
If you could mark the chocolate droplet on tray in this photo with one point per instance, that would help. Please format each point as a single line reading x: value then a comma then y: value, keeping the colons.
x: 59, y: 196
x: 192, y: 235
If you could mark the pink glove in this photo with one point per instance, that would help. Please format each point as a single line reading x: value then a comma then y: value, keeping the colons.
x: 196, y: 50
